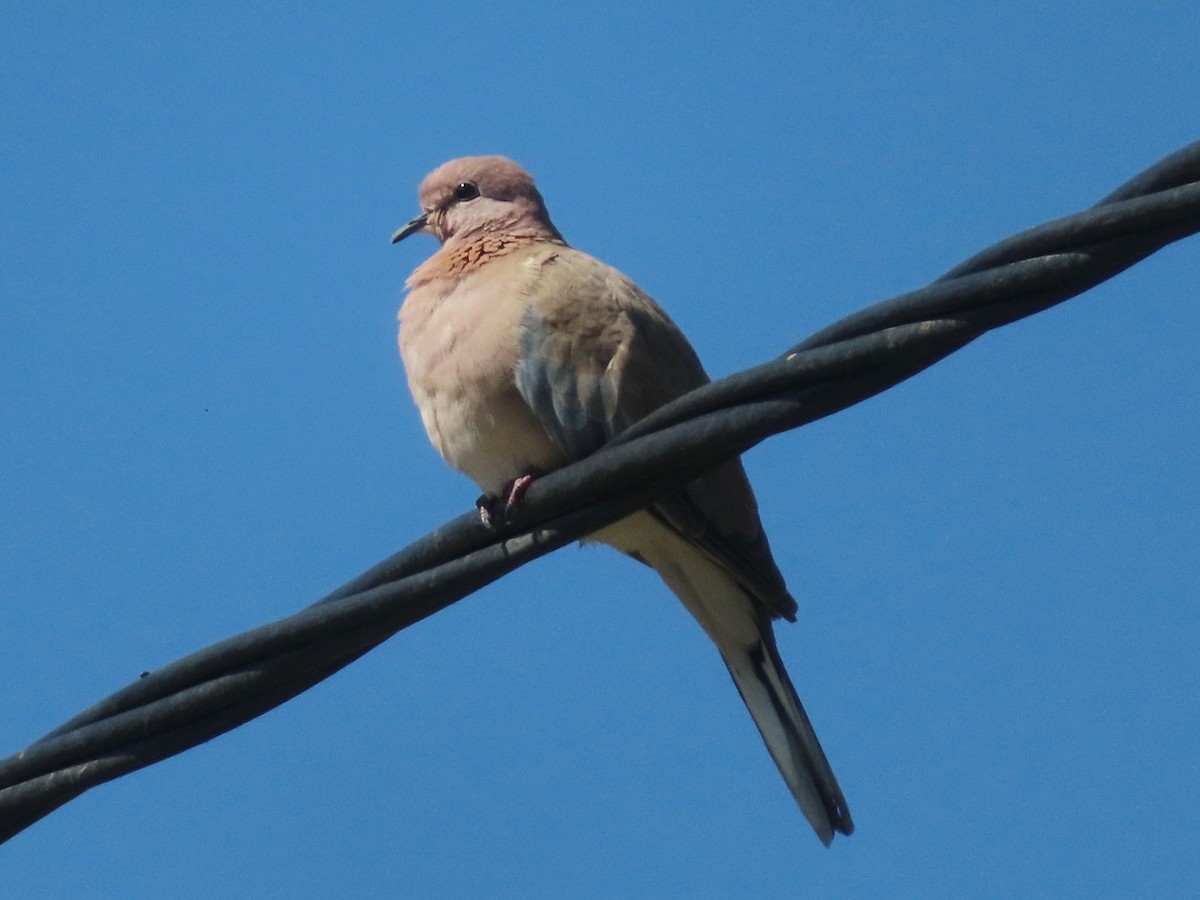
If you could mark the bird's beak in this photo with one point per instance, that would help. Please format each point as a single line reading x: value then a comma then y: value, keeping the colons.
x: 417, y: 224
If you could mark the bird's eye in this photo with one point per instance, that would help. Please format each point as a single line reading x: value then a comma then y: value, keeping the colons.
x: 466, y: 190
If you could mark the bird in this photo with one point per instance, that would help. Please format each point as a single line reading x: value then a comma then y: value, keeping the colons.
x: 524, y: 354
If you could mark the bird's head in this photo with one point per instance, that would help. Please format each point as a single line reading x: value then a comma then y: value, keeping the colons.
x: 479, y: 196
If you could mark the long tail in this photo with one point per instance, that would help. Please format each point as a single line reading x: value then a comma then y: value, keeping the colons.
x: 741, y: 629
x: 768, y: 693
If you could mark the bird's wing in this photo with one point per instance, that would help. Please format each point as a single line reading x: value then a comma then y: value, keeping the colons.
x: 597, y: 354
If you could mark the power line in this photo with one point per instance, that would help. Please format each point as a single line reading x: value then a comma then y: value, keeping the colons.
x: 222, y: 686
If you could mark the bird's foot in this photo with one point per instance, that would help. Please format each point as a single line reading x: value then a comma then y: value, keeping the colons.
x: 495, y: 511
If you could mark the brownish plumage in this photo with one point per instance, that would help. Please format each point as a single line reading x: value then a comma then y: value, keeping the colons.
x: 523, y: 354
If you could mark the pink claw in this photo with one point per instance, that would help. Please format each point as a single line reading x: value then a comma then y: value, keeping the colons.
x: 491, y: 513
x: 515, y: 492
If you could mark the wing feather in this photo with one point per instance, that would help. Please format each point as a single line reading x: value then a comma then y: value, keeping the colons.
x: 597, y: 354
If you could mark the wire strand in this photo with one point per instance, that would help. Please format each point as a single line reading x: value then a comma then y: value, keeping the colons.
x: 231, y: 682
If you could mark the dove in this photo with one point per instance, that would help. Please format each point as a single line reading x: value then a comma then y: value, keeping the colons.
x: 524, y: 354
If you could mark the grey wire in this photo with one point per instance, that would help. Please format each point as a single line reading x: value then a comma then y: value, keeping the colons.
x: 222, y: 686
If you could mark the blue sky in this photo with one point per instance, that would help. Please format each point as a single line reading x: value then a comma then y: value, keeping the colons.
x: 204, y: 426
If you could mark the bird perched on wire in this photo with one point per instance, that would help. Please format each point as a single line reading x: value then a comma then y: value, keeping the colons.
x: 524, y: 354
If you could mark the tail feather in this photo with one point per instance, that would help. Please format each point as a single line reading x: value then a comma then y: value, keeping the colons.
x: 740, y: 626
x: 768, y: 693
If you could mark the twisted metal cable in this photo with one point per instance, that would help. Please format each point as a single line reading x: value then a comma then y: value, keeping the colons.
x: 216, y: 689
